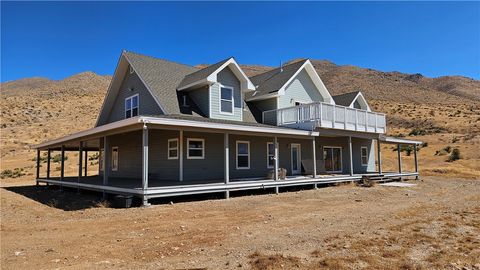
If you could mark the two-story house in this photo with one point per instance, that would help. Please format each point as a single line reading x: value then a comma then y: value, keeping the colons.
x: 168, y: 129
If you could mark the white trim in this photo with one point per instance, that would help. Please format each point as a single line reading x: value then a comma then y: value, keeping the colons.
x: 341, y: 157
x: 320, y: 86
x: 237, y: 155
x: 203, y: 148
x: 112, y: 160
x: 172, y: 148
x: 366, y: 155
x: 177, y: 123
x: 268, y: 156
x: 130, y: 98
x: 364, y: 101
x: 245, y: 82
x: 387, y: 139
x: 299, y: 158
x: 220, y: 86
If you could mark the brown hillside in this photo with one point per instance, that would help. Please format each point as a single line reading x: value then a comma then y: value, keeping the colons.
x: 447, y: 109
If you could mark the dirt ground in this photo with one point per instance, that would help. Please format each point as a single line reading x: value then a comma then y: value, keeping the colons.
x: 433, y: 225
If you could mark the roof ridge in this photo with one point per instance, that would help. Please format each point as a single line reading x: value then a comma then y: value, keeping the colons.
x: 283, y: 66
x: 200, y: 69
x: 348, y: 93
x: 157, y: 58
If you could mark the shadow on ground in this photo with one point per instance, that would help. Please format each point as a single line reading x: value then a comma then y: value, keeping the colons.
x: 71, y: 200
x: 67, y: 200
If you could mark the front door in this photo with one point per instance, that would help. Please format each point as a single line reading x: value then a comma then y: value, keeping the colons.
x: 296, y: 159
x: 332, y: 156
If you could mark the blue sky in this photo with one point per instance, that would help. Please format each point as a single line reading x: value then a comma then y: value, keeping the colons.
x: 59, y: 39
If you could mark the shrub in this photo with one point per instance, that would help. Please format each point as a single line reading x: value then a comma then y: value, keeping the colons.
x: 405, y: 148
x: 58, y: 158
x: 417, y: 132
x: 17, y: 172
x: 93, y: 157
x: 455, y: 155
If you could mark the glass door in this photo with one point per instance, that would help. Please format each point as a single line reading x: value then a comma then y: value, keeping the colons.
x: 296, y: 158
x: 332, y: 156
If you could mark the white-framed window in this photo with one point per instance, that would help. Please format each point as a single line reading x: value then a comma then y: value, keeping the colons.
x: 243, y: 155
x: 114, y: 164
x: 270, y: 155
x: 131, y: 106
x: 196, y: 148
x: 173, y: 148
x: 364, y: 153
x: 226, y: 99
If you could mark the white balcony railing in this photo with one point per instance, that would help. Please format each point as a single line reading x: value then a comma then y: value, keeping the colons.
x: 320, y: 114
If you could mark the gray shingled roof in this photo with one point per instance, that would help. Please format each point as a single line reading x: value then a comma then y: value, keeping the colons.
x: 345, y: 99
x: 163, y: 77
x: 272, y: 80
x: 201, y: 74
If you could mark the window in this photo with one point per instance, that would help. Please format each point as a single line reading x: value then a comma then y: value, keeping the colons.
x: 364, y: 155
x: 173, y: 149
x: 270, y: 155
x: 243, y: 155
x: 226, y: 99
x: 114, y: 158
x: 196, y: 148
x: 131, y: 106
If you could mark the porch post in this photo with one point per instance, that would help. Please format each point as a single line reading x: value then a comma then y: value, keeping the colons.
x: 379, y: 157
x: 38, y: 166
x: 399, y: 154
x: 80, y: 159
x: 350, y: 156
x: 275, y: 143
x: 106, y: 163
x: 180, y: 156
x: 62, y: 165
x: 314, y: 154
x: 48, y: 163
x: 85, y: 173
x: 227, y: 163
x: 145, y: 163
x: 416, y: 160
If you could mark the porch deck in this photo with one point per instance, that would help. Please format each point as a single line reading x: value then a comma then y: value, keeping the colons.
x: 166, y: 188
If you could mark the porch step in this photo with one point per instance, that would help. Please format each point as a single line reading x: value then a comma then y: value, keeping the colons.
x: 382, y: 178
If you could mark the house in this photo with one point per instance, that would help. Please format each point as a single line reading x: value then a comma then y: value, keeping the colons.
x: 168, y: 129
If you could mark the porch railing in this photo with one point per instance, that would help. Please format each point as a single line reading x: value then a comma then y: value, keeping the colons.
x: 327, y: 115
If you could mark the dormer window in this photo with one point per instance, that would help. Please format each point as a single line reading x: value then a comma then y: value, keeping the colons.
x: 131, y: 106
x: 226, y: 99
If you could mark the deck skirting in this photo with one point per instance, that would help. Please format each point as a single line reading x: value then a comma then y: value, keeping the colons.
x: 185, y: 189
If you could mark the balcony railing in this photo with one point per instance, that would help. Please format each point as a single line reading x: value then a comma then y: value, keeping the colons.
x: 325, y: 115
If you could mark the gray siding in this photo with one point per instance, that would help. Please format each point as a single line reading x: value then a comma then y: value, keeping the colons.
x: 301, y: 89
x: 130, y: 86
x: 226, y: 77
x: 211, y: 167
x: 201, y: 98
x: 129, y: 155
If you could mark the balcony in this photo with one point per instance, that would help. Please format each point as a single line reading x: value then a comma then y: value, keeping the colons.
x: 325, y: 115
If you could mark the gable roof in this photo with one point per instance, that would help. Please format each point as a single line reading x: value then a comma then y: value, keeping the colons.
x: 161, y: 78
x: 345, y: 99
x: 201, y: 74
x: 271, y: 81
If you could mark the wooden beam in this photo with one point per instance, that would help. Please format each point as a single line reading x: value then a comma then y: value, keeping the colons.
x: 86, y: 163
x: 180, y: 156
x: 379, y: 157
x: 226, y: 162
x: 314, y: 153
x: 399, y: 154
x: 49, y: 156
x: 350, y: 154
x: 275, y: 144
x: 145, y: 163
x: 38, y: 164
x: 416, y: 160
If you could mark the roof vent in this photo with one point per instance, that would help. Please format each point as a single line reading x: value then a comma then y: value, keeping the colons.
x: 281, y: 66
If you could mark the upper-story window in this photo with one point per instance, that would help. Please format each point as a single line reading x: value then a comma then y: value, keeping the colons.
x: 226, y: 99
x: 131, y: 106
